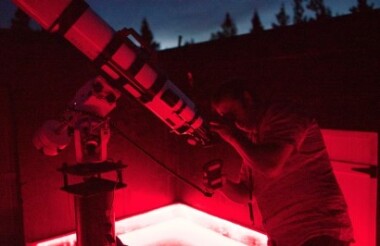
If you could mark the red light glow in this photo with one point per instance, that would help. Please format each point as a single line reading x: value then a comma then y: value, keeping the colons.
x: 176, y: 224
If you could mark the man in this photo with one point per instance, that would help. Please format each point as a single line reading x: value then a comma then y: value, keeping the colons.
x: 286, y: 166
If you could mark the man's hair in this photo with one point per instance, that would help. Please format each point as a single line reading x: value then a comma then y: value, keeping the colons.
x: 233, y: 89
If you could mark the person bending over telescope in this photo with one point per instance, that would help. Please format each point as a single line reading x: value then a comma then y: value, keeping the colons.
x: 286, y: 167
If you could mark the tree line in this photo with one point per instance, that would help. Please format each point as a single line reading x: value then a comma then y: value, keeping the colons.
x: 317, y: 7
x: 21, y: 21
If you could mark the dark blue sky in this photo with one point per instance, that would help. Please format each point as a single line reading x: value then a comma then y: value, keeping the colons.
x: 193, y: 19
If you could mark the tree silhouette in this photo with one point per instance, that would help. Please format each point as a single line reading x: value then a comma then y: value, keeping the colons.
x: 257, y: 26
x: 319, y: 8
x: 228, y: 29
x: 189, y: 42
x: 298, y: 11
x: 281, y: 17
x: 147, y: 35
x: 20, y: 21
x: 362, y: 7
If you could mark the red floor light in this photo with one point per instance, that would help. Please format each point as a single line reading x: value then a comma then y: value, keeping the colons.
x: 176, y: 224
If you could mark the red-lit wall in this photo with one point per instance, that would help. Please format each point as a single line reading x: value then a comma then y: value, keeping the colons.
x: 332, y: 69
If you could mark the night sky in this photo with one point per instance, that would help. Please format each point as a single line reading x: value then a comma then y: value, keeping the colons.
x: 194, y: 20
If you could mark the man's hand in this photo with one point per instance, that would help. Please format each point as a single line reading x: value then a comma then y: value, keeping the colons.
x: 226, y: 130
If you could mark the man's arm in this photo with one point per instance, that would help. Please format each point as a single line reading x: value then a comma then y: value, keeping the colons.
x: 267, y: 158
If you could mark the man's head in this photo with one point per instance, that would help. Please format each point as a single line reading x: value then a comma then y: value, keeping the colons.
x: 234, y: 102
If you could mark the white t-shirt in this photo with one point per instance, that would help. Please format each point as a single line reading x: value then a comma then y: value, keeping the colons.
x: 305, y: 200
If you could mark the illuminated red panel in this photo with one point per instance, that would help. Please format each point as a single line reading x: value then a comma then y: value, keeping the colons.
x: 354, y: 156
x: 175, y: 224
x: 352, y: 146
